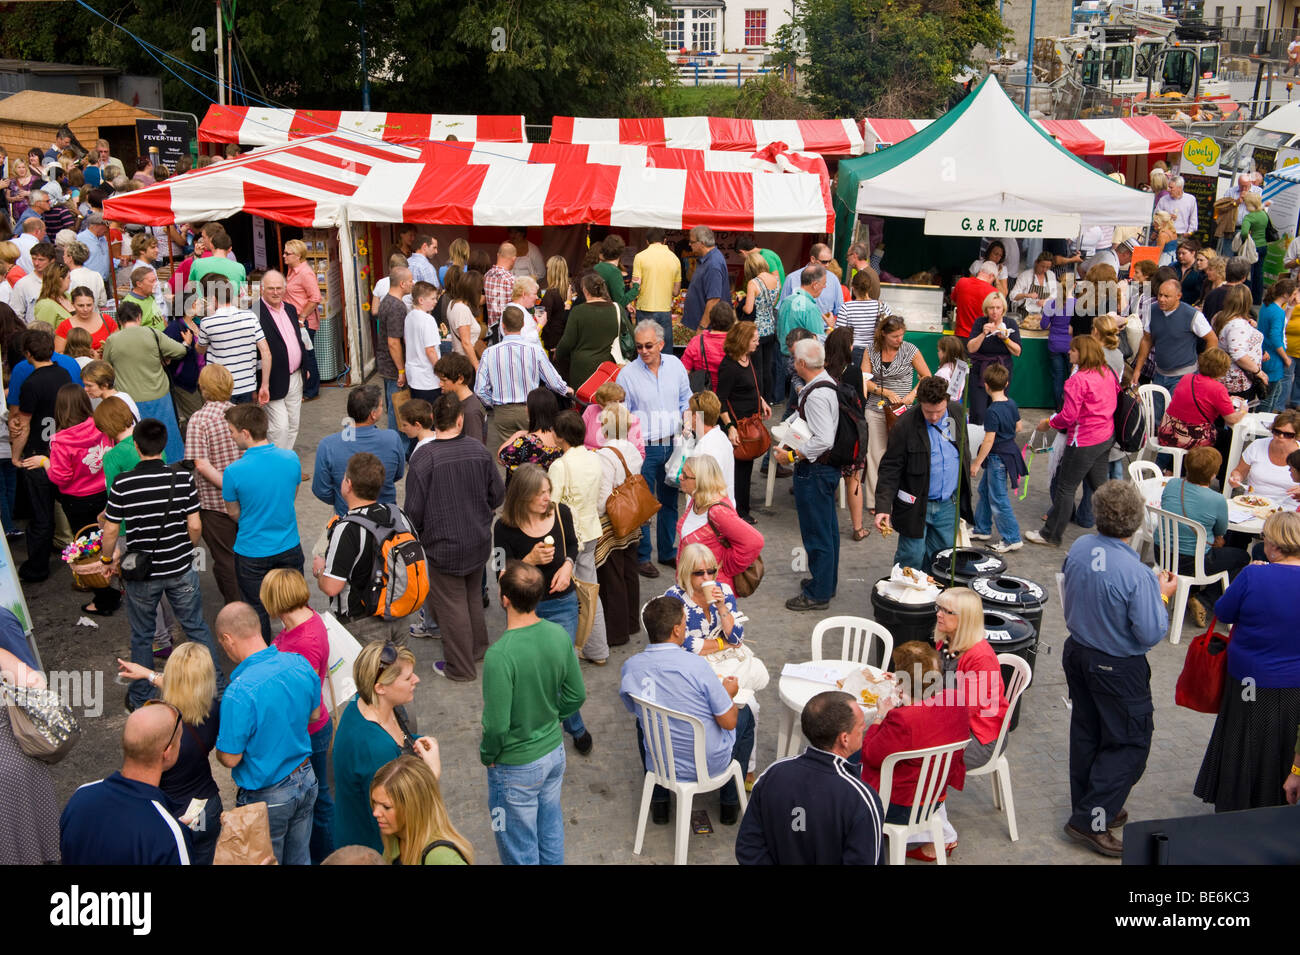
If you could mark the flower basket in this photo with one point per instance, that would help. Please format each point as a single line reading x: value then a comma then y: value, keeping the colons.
x: 82, y: 555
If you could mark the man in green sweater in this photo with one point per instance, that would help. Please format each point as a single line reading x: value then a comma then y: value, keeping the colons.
x: 531, y: 681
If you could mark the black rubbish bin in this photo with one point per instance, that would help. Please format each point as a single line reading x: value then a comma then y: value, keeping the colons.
x: 971, y: 562
x: 1011, y: 633
x: 904, y: 621
x: 1013, y: 594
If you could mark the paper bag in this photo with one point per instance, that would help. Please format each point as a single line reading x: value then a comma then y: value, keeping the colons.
x: 245, y: 837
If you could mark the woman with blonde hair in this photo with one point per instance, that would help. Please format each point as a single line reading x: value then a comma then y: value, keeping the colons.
x: 9, y: 255
x: 616, y: 559
x: 188, y: 685
x: 1255, y: 225
x: 995, y: 342
x: 458, y: 257
x: 406, y: 801
x: 711, y: 519
x: 372, y: 731
x: 302, y: 291
x: 556, y: 301
x: 284, y: 593
x: 610, y: 395
x: 1164, y: 236
x: 762, y: 289
x: 963, y: 645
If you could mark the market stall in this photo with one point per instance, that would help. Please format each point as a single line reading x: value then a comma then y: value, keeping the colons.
x: 983, y: 169
x: 262, y: 126
x: 829, y: 137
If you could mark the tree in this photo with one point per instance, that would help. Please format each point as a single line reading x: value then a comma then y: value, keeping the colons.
x: 885, y: 57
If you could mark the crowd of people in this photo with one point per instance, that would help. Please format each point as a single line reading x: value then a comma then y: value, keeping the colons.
x: 173, y: 421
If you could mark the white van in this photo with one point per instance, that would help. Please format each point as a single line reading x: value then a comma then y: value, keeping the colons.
x: 1258, y: 148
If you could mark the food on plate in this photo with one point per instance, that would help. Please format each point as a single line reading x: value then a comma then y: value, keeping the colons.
x: 868, y: 698
x: 1253, y: 500
x: 911, y: 573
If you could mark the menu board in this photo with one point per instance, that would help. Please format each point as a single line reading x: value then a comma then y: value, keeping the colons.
x: 1204, y: 189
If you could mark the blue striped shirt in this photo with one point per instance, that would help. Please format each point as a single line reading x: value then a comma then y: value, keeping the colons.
x: 512, y: 368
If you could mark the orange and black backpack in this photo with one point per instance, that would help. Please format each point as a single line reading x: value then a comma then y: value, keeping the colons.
x: 399, y: 581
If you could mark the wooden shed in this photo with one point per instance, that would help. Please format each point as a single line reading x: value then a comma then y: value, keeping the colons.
x: 30, y: 118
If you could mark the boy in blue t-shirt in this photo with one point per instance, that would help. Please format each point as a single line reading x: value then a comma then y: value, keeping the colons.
x: 1002, y: 463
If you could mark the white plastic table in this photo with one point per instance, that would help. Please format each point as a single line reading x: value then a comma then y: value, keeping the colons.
x: 795, y: 694
x: 1153, y: 488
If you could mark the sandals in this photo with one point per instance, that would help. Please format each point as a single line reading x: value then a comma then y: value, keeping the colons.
x: 85, y: 608
x: 861, y: 533
x: 924, y: 852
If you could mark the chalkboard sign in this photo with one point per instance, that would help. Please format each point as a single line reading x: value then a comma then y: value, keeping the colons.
x: 171, y: 137
x: 1203, y: 188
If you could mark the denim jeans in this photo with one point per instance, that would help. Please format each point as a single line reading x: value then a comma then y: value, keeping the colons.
x: 1293, y: 400
x: 1279, y: 392
x: 1167, y: 382
x: 250, y: 571
x: 940, y: 525
x: 322, y: 815
x: 203, y: 842
x: 8, y: 494
x: 289, y: 805
x: 740, y: 752
x: 819, y: 526
x: 665, y: 320
x: 564, y: 611
x: 165, y: 411
x: 652, y: 469
x: 995, y: 502
x: 142, y: 599
x: 1060, y: 364
x: 527, y: 818
x: 390, y: 389
x: 782, y: 369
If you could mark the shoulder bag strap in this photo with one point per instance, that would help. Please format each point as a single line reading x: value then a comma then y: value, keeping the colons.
x: 162, y: 517
x: 436, y: 844
x: 708, y: 517
x: 626, y: 470
x: 704, y: 355
x: 1194, y: 401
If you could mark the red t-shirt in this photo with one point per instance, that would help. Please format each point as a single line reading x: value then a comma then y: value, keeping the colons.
x: 14, y: 275
x: 97, y: 338
x: 968, y: 295
x: 1211, y: 400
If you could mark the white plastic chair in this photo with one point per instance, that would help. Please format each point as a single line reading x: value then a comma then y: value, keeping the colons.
x: 1150, y: 443
x: 1169, y: 525
x: 859, y: 637
x: 1243, y: 432
x: 655, y: 725
x: 935, y: 764
x: 998, y: 767
x: 1140, y: 473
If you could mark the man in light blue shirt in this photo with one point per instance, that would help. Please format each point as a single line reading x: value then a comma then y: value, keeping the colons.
x: 95, y: 238
x: 263, y: 738
x: 658, y: 393
x: 361, y: 433
x: 831, y: 297
x: 669, y: 676
x: 420, y: 262
x: 1114, y: 613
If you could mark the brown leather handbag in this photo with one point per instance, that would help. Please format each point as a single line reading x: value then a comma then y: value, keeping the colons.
x: 630, y: 504
x: 753, y: 434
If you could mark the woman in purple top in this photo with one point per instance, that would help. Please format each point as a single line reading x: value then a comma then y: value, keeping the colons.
x: 1057, y: 316
x: 284, y: 593
x: 1253, y: 743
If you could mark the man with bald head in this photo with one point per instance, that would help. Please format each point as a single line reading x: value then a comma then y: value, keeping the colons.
x: 288, y: 368
x: 126, y: 819
x: 263, y: 739
x: 1170, y: 330
x: 390, y: 356
x: 499, y: 286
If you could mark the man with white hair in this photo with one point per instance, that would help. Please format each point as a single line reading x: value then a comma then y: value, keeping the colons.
x: 285, y: 377
x: 969, y: 293
x: 75, y: 255
x: 38, y: 203
x: 30, y: 233
x: 94, y: 236
x: 1181, y: 206
x: 658, y: 394
x: 815, y: 483
x: 831, y: 298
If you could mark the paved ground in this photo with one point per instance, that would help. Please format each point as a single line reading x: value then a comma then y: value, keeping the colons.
x: 601, y: 791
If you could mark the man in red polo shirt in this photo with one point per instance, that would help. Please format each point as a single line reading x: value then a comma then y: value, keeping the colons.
x: 969, y: 294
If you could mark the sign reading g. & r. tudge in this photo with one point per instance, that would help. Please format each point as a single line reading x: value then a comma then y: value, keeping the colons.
x: 1018, y: 224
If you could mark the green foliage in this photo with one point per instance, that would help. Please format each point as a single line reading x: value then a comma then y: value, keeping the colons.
x: 885, y: 57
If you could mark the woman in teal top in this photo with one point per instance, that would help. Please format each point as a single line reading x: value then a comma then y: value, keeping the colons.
x: 412, y: 818
x: 1282, y: 298
x: 372, y: 732
x: 1191, y: 497
x: 1255, y: 224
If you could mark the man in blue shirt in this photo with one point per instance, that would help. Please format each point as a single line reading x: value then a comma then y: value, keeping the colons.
x: 658, y: 393
x: 263, y: 739
x: 669, y: 676
x: 710, y: 282
x: 126, y: 819
x: 831, y: 298
x: 919, y: 488
x: 259, y: 490
x: 94, y: 236
x: 365, y: 405
x: 1114, y: 614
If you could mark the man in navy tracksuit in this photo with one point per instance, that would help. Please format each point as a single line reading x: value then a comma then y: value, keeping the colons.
x: 813, y: 809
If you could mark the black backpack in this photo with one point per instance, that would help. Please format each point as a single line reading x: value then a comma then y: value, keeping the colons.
x: 850, y: 444
x: 1130, y: 421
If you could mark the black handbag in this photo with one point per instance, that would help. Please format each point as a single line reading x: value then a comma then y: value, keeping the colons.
x: 137, y: 565
x: 700, y: 378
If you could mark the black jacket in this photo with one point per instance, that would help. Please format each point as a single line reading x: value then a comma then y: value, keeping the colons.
x: 811, y: 810
x: 906, y: 467
x: 279, y: 385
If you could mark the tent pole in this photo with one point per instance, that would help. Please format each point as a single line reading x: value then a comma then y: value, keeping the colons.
x: 279, y: 243
x: 351, y: 304
x: 1029, y: 65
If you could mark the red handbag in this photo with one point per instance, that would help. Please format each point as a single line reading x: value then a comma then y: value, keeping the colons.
x: 1205, y: 672
x: 608, y: 371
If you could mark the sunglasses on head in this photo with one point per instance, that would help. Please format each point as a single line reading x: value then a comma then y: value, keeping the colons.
x: 387, y: 657
x: 1278, y: 433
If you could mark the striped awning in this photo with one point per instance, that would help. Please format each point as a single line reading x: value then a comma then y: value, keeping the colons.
x: 829, y: 137
x: 258, y: 126
x: 1129, y: 136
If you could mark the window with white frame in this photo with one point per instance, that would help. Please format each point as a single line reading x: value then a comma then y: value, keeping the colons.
x: 704, y: 31
x: 672, y: 29
x: 755, y: 28
x: 689, y: 28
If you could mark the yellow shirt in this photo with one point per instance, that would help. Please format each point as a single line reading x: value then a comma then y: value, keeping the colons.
x: 1293, y: 333
x: 575, y: 482
x: 658, y: 269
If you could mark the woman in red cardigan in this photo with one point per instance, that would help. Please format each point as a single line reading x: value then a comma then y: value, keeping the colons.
x: 960, y: 638
x: 927, y: 714
x: 711, y: 519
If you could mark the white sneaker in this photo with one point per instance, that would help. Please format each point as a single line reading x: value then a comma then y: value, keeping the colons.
x: 1002, y: 547
x: 981, y: 537
x: 1034, y: 537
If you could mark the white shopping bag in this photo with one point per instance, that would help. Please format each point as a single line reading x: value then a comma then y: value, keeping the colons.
x: 344, y: 650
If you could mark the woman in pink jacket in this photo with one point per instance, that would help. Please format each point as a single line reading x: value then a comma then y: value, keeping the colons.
x: 707, y: 349
x: 75, y: 467
x: 1088, y: 420
x: 711, y: 519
